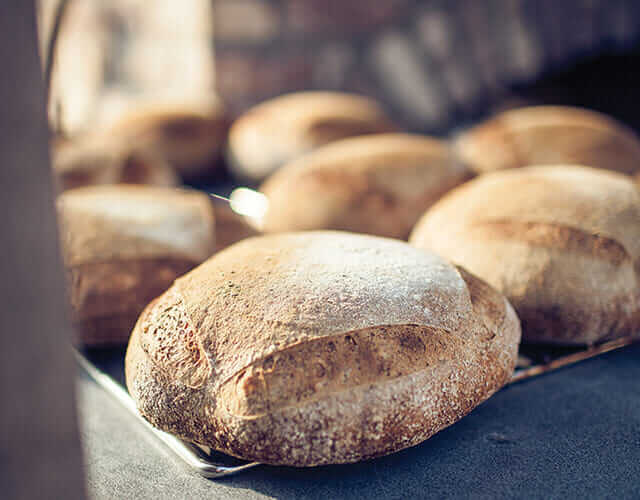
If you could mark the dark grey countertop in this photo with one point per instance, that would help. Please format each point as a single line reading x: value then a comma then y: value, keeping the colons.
x: 574, y: 433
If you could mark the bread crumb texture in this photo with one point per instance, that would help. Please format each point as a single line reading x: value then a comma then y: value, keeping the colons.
x: 322, y: 347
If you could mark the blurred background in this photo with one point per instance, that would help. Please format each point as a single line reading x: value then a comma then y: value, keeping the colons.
x: 436, y: 64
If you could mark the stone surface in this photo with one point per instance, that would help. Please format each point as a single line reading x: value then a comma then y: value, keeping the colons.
x: 569, y: 434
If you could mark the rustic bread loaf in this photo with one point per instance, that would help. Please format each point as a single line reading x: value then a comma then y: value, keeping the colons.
x: 281, y: 129
x: 549, y: 135
x: 562, y: 243
x: 123, y: 246
x: 189, y: 137
x: 320, y: 347
x: 379, y: 184
x: 102, y: 159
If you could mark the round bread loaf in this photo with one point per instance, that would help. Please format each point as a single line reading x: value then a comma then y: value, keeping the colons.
x: 320, y: 347
x: 549, y: 135
x: 189, y: 137
x: 100, y: 159
x: 281, y: 129
x: 377, y: 184
x: 562, y: 243
x: 123, y: 246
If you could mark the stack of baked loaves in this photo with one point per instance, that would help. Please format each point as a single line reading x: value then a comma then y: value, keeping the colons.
x: 317, y: 345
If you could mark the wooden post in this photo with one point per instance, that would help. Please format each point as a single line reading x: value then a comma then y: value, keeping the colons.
x: 40, y: 449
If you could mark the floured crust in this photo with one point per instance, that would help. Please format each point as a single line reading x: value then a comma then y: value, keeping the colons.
x: 101, y: 223
x: 281, y: 129
x: 562, y: 243
x: 549, y: 135
x: 379, y: 184
x: 292, y: 358
x: 125, y: 245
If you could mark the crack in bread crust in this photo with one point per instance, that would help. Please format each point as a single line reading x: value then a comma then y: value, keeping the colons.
x: 335, y: 363
x: 554, y: 235
x: 351, y: 392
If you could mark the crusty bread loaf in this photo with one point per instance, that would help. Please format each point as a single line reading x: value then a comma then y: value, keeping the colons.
x: 281, y: 129
x: 562, y: 243
x: 189, y: 137
x: 123, y: 246
x: 379, y: 184
x: 230, y: 226
x: 102, y: 159
x: 319, y: 347
x: 549, y: 135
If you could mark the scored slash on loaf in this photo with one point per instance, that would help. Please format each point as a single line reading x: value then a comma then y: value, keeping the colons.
x: 562, y: 243
x: 321, y: 347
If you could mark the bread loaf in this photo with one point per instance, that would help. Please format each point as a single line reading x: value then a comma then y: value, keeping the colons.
x: 320, y: 347
x: 562, y: 243
x: 189, y: 137
x: 102, y: 159
x: 379, y: 184
x: 123, y: 246
x: 549, y: 135
x: 281, y: 129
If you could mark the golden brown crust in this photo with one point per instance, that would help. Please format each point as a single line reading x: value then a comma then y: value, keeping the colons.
x: 549, y: 135
x: 322, y: 348
x: 171, y: 341
x: 124, y: 246
x: 334, y: 363
x: 562, y: 243
x: 107, y: 297
x: 281, y: 129
x: 553, y: 235
x: 379, y: 184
